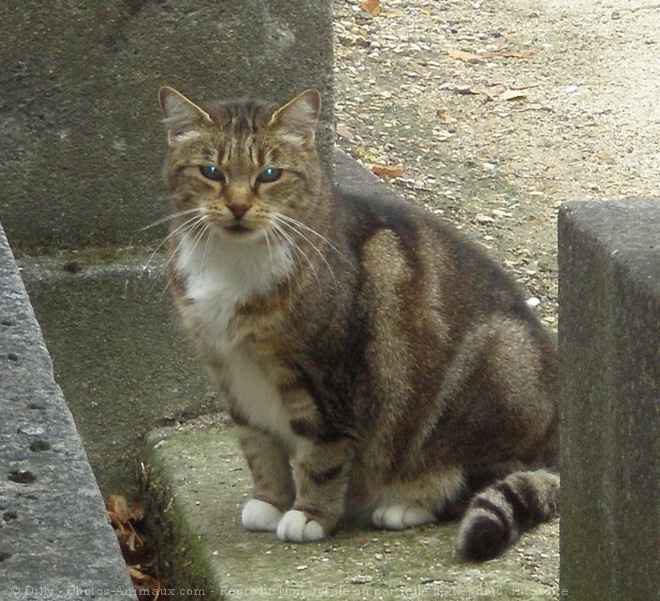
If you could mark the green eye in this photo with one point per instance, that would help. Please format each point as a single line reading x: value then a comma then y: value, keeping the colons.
x: 268, y: 175
x: 212, y: 172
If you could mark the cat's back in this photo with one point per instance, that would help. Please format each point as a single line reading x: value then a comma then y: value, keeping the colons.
x: 414, y: 252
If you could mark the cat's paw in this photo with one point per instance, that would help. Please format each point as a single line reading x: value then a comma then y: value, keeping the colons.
x: 399, y: 516
x: 296, y: 527
x: 260, y: 516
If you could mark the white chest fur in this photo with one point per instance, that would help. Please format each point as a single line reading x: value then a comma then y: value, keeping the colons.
x: 220, y: 276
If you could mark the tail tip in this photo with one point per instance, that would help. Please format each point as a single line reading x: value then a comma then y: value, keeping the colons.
x: 481, y: 538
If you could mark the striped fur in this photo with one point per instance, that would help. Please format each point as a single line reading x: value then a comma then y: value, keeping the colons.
x: 498, y: 515
x: 377, y: 365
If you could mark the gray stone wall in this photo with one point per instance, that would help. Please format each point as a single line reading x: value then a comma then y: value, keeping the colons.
x: 609, y: 335
x: 82, y: 143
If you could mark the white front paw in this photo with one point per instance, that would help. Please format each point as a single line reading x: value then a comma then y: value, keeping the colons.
x: 297, y: 528
x: 399, y: 516
x: 260, y: 516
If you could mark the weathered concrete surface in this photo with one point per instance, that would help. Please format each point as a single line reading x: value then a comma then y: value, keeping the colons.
x: 123, y: 361
x: 81, y: 155
x: 55, y: 539
x: 609, y: 334
x: 196, y: 482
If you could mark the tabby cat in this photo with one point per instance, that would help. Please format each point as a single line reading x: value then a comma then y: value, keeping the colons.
x: 376, y: 364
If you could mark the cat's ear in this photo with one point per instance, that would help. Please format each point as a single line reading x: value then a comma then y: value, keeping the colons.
x: 299, y: 117
x: 181, y: 116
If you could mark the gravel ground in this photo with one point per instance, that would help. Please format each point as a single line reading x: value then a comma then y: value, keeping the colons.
x: 499, y: 111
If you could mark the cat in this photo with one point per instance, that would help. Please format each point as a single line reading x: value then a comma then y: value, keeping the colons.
x: 377, y: 365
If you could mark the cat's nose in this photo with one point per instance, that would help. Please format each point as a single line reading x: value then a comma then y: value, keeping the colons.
x: 238, y: 209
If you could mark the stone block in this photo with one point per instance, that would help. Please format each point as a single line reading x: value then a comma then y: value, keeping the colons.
x: 55, y: 541
x: 82, y: 140
x: 123, y: 361
x: 609, y: 338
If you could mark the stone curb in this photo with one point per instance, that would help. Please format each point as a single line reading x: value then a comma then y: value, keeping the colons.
x: 56, y: 540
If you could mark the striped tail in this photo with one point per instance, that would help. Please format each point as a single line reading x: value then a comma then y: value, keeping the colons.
x: 498, y: 514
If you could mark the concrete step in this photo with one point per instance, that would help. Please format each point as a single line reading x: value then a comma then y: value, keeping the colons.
x: 196, y: 482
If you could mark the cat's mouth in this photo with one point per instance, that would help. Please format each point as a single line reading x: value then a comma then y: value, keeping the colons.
x: 237, y: 228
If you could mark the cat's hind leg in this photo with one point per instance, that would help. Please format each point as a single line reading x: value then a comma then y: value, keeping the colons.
x: 399, y: 516
x: 418, y: 501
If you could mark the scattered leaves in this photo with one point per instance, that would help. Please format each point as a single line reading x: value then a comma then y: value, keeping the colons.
x: 387, y: 170
x: 127, y: 521
x: 371, y: 6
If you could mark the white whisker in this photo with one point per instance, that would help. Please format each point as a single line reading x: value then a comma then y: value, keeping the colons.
x: 169, y: 218
x: 297, y: 226
x: 291, y: 221
x: 187, y: 226
x: 298, y: 252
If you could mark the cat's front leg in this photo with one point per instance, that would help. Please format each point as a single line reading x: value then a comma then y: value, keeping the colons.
x: 273, y: 491
x: 320, y: 472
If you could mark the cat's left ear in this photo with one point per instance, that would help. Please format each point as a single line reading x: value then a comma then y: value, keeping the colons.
x: 300, y: 116
x: 181, y: 116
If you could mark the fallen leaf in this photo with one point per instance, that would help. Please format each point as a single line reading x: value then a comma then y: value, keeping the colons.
x: 511, y: 53
x: 524, y: 86
x: 387, y: 170
x: 603, y: 157
x: 468, y: 57
x: 140, y: 579
x: 117, y: 506
x: 512, y: 95
x: 371, y: 6
x: 343, y: 132
x: 444, y: 117
x: 474, y: 57
x: 137, y: 510
x: 140, y: 557
x: 465, y: 91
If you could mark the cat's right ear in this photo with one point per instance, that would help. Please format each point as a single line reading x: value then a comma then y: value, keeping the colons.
x: 180, y: 115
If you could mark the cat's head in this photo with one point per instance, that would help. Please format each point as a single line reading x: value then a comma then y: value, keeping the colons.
x: 240, y: 167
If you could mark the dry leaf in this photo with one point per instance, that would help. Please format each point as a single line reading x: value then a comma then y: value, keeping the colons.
x: 468, y: 57
x: 512, y: 95
x: 473, y: 57
x: 387, y: 170
x: 511, y: 53
x: 444, y: 117
x: 118, y: 506
x: 137, y: 510
x: 371, y: 6
x: 343, y: 132
x: 524, y: 86
x: 465, y: 91
x: 138, y: 555
x: 603, y: 157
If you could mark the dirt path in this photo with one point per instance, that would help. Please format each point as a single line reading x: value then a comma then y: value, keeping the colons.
x: 499, y: 111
